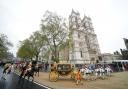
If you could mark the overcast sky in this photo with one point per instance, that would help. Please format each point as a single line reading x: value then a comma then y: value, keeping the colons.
x: 19, y: 18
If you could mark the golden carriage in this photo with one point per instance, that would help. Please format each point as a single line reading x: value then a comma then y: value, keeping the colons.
x: 62, y: 70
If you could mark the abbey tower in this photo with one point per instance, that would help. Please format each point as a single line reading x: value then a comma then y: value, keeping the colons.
x: 85, y: 44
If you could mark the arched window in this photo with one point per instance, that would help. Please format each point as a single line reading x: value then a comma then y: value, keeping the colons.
x: 81, y: 54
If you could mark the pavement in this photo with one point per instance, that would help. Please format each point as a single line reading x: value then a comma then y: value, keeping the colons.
x: 12, y: 81
x: 63, y: 82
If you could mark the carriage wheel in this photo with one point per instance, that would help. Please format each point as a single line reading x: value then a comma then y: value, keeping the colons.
x: 73, y: 75
x: 53, y: 76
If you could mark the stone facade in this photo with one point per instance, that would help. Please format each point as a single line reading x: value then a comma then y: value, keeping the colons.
x: 85, y: 44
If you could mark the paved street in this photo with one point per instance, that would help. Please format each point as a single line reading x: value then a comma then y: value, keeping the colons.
x: 12, y: 82
x: 118, y: 78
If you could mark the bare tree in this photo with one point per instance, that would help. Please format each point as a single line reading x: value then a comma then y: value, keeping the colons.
x: 55, y: 29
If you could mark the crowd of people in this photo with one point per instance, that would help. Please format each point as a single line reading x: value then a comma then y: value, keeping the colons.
x: 25, y: 69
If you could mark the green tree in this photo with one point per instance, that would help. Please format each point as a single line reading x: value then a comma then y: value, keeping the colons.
x: 26, y: 51
x: 4, y: 46
x: 38, y: 43
x: 31, y: 47
x: 55, y: 29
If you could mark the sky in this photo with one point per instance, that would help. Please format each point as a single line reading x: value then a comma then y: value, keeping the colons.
x: 20, y: 18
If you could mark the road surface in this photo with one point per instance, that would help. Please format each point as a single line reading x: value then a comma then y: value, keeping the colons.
x: 13, y: 82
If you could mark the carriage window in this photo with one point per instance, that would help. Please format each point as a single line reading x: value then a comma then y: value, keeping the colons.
x: 63, y: 67
x: 66, y: 67
x: 59, y: 68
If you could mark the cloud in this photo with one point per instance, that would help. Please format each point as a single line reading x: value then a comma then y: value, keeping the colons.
x: 20, y: 18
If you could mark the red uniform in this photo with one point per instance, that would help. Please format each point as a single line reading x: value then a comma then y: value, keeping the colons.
x: 78, y: 76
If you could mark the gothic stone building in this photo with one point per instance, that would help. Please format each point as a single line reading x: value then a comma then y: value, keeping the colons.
x: 85, y: 44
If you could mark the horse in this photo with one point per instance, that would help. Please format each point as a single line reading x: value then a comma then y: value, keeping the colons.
x: 27, y: 70
x: 30, y: 73
x: 37, y: 69
x: 22, y: 69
